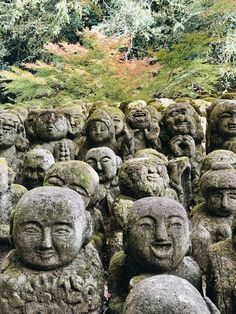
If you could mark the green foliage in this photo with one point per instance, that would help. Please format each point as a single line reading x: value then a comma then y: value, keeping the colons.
x: 25, y: 26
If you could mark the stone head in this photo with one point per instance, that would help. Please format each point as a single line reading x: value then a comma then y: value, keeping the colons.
x: 49, y: 227
x: 150, y: 152
x: 137, y: 115
x: 36, y: 163
x: 165, y: 294
x: 118, y: 118
x: 141, y: 177
x: 158, y: 234
x: 51, y: 125
x: 219, y: 155
x: 7, y: 176
x: 100, y: 127
x: 76, y: 175
x: 105, y: 162
x: 218, y: 187
x: 182, y: 119
x: 10, y: 128
x: 223, y: 119
x: 76, y: 118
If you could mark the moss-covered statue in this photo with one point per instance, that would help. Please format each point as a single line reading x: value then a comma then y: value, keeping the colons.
x: 99, y: 131
x: 76, y: 117
x: 157, y: 239
x: 212, y: 219
x: 9, y: 195
x: 82, y: 178
x: 143, y: 124
x: 182, y: 134
x: 221, y: 130
x: 124, y: 137
x: 52, y: 268
x: 167, y: 294
x: 36, y: 163
x: 49, y: 128
x: 138, y: 177
x: 13, y: 142
x: 221, y: 274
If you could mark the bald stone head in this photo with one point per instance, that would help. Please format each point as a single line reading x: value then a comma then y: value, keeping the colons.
x: 165, y: 294
x: 141, y: 177
x: 76, y: 175
x: 36, y: 163
x: 105, y: 162
x: 49, y: 226
x: 158, y: 234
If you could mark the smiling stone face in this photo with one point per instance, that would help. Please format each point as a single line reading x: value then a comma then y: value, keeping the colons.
x: 9, y: 124
x: 138, y: 116
x: 49, y: 227
x: 179, y: 119
x: 141, y: 177
x: 52, y: 125
x: 158, y: 236
x: 76, y: 175
x: 226, y: 120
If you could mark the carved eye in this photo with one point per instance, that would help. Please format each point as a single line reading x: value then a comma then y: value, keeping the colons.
x: 232, y: 196
x: 32, y: 230
x: 62, y: 231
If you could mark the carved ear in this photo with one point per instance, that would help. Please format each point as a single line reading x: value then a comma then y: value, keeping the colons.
x: 89, y: 228
x: 189, y: 251
x: 11, y: 176
x: 11, y: 239
x: 118, y: 163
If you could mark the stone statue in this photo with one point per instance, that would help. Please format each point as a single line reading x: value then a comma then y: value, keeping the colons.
x: 76, y: 117
x: 82, y: 178
x: 157, y: 239
x: 50, y: 129
x: 138, y: 177
x: 221, y: 131
x: 124, y: 137
x: 182, y: 134
x: 9, y: 195
x: 52, y: 269
x: 212, y: 219
x: 221, y: 274
x: 13, y: 142
x: 100, y: 131
x: 36, y: 163
x: 144, y: 125
x: 167, y: 294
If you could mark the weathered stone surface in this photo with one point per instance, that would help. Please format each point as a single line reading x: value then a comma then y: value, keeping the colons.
x: 212, y: 219
x: 36, y: 163
x: 166, y: 294
x: 52, y: 269
x: 221, y: 274
x: 157, y: 238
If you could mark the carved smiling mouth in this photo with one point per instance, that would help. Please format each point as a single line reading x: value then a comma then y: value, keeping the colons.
x: 232, y: 126
x: 139, y: 115
x: 44, y: 255
x: 152, y: 177
x: 161, y: 249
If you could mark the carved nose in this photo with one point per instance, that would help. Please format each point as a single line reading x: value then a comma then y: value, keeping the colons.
x: 46, y: 239
x: 225, y: 201
x: 161, y: 232
x: 99, y: 167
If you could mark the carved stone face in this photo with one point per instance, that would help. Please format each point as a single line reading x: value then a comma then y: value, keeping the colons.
x: 118, y: 124
x: 76, y: 119
x: 49, y: 227
x: 165, y: 294
x: 138, y: 117
x: 179, y: 120
x: 227, y: 121
x: 8, y: 130
x: 4, y: 179
x: 159, y: 235
x: 104, y: 161
x: 182, y: 145
x: 221, y: 202
x: 52, y: 125
x: 36, y: 164
x: 141, y: 177
x: 98, y: 131
x: 218, y: 187
x: 76, y: 175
